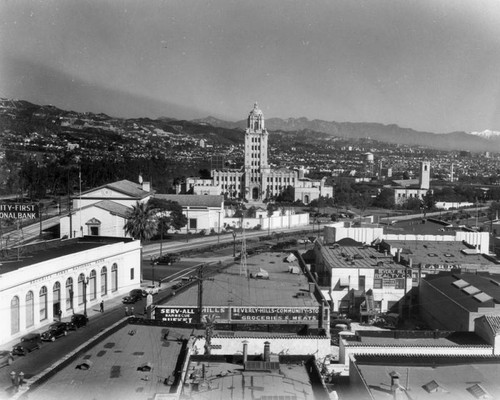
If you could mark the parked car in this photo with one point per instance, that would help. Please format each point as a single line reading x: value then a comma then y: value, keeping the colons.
x: 77, y: 321
x: 132, y: 299
x: 5, y: 358
x: 153, y: 289
x: 28, y: 343
x: 55, y: 330
x: 136, y: 292
x: 168, y: 259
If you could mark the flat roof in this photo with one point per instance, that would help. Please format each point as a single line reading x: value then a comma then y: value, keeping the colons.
x: 437, y: 381
x: 115, y: 360
x: 39, y: 252
x: 225, y: 380
x: 229, y: 288
x: 438, y: 252
x: 337, y: 256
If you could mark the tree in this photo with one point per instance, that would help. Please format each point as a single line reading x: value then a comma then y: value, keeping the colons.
x: 428, y: 202
x: 169, y: 214
x: 385, y: 199
x: 142, y: 222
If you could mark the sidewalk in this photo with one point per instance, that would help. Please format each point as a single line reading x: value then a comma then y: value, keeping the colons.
x: 92, y: 311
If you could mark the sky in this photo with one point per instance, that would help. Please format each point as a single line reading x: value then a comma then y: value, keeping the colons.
x: 430, y: 65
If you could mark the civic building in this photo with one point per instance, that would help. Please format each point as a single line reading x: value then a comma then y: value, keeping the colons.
x: 257, y: 180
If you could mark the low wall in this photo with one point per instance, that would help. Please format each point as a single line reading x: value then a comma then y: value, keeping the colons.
x: 318, y: 346
x: 270, y: 223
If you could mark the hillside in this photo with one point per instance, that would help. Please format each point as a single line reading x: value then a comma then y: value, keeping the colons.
x: 384, y: 133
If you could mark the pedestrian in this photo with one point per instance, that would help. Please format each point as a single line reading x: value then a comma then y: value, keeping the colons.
x: 132, y: 311
x: 101, y: 306
x: 60, y: 314
x: 126, y: 311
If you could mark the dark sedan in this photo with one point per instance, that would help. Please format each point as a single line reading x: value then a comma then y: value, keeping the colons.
x: 28, y: 343
x: 131, y: 299
x: 77, y: 321
x: 55, y: 330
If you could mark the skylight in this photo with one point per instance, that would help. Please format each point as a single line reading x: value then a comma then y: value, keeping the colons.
x: 471, y: 290
x: 460, y: 283
x: 482, y: 297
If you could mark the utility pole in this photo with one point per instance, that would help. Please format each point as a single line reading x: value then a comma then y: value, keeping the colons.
x: 200, y: 293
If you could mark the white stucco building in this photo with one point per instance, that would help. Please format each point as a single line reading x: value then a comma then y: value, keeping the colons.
x: 67, y: 276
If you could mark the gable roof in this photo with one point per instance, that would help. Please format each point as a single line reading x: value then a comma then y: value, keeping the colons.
x: 484, y: 292
x: 125, y: 187
x: 193, y: 200
x: 494, y: 323
x: 113, y: 207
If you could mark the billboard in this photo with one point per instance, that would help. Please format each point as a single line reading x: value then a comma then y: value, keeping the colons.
x: 289, y: 315
x: 18, y: 211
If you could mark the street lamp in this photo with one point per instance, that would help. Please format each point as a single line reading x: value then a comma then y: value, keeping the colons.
x: 85, y: 283
x: 218, y: 233
x: 153, y: 263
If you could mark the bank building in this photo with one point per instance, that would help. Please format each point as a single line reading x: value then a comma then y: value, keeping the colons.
x: 257, y: 181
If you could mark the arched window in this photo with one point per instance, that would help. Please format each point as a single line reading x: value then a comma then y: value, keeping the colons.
x: 104, y: 281
x: 43, y: 303
x: 30, y: 309
x: 69, y: 293
x: 14, y: 315
x: 81, y: 289
x: 56, y: 298
x: 114, y: 278
x: 92, y: 285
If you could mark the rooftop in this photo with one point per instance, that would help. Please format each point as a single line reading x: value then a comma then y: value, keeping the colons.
x: 439, y: 253
x: 189, y: 200
x: 229, y: 288
x: 114, y: 366
x: 355, y: 257
x: 45, y: 251
x: 457, y: 382
x: 225, y: 380
x: 471, y: 291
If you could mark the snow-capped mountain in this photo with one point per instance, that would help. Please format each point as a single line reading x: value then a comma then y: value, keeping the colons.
x: 487, y: 134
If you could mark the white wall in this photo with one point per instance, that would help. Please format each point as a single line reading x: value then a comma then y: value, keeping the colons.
x: 270, y: 223
x: 284, y: 345
x: 111, y: 225
x: 32, y: 278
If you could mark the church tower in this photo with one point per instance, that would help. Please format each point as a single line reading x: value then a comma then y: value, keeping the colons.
x: 256, y: 167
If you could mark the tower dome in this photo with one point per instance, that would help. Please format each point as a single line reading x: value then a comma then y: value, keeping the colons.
x: 255, y: 119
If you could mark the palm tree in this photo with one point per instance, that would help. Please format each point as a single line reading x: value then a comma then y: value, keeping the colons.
x: 141, y: 222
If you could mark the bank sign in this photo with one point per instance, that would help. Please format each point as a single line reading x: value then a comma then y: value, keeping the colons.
x: 18, y: 211
x: 288, y: 315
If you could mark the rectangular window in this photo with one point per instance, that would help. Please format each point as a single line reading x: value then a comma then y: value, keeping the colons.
x: 193, y: 223
x: 377, y: 283
x: 400, y: 283
x: 361, y: 282
x: 131, y: 274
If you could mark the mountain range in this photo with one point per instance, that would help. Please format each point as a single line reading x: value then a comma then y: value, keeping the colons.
x: 473, y: 141
x: 454, y: 141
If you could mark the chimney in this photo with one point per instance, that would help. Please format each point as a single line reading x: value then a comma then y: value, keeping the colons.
x: 245, y: 351
x: 267, y: 351
x: 394, y: 382
x: 146, y: 186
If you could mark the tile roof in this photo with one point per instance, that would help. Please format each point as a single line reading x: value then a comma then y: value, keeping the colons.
x: 113, y: 207
x: 126, y: 187
x: 494, y: 322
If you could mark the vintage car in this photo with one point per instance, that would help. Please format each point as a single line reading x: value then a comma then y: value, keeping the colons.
x: 28, y: 343
x: 55, y: 330
x: 131, y: 299
x: 153, y: 289
x: 77, y: 321
x: 167, y: 259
